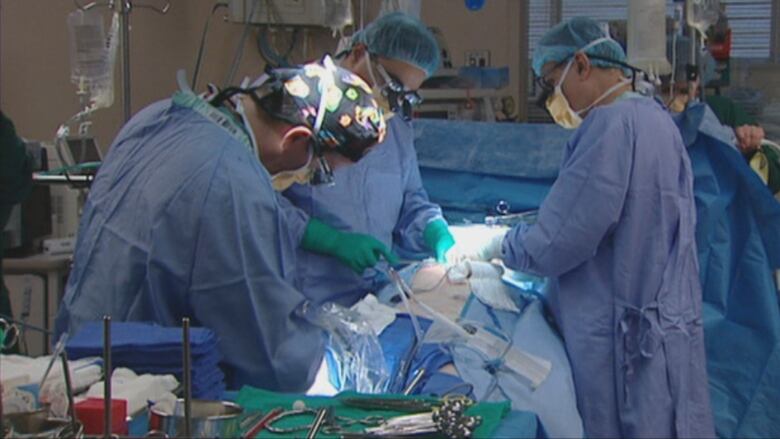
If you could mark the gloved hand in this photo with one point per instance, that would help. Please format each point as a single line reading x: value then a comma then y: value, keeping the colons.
x: 484, y: 246
x: 355, y: 250
x: 438, y: 238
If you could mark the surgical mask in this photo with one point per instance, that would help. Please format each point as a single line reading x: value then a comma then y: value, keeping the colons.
x: 559, y: 106
x: 316, y: 172
x: 303, y: 175
x: 381, y: 99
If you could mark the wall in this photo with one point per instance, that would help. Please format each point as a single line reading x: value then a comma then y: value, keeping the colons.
x: 35, y: 88
x: 498, y: 27
x: 36, y: 92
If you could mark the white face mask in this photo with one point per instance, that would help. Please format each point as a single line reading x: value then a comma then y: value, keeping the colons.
x: 558, y: 105
x: 380, y: 98
x: 303, y: 175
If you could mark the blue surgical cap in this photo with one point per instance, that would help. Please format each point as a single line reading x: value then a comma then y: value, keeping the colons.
x: 565, y: 39
x: 401, y: 37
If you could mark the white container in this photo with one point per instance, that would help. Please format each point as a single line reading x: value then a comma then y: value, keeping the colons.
x: 647, y: 37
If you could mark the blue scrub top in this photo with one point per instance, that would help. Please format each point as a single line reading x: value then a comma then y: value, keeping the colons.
x: 616, y: 236
x: 382, y: 196
x: 182, y: 221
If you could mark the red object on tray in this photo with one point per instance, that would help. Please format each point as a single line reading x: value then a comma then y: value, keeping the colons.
x: 90, y: 414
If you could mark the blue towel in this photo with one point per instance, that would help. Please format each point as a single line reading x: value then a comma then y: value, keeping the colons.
x: 139, y: 337
x: 520, y: 425
x: 441, y: 384
x: 397, y: 342
x: 199, y: 375
x: 167, y: 360
x: 738, y: 242
x: 432, y: 357
x: 149, y: 348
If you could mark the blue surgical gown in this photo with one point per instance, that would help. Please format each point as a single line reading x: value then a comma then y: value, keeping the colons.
x: 616, y: 236
x: 182, y: 221
x: 382, y: 196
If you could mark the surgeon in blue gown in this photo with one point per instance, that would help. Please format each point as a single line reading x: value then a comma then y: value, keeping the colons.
x: 616, y: 236
x: 347, y: 231
x: 182, y: 220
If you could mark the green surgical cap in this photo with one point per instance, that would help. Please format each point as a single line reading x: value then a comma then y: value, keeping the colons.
x: 402, y: 37
x: 565, y: 39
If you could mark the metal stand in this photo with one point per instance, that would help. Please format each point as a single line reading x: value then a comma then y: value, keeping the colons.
x: 187, y: 376
x: 69, y: 392
x: 124, y: 7
x: 107, y: 422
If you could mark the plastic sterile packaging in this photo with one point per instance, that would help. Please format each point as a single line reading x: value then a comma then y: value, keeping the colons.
x: 359, y: 361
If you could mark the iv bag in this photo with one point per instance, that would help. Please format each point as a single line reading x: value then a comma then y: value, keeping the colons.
x: 338, y: 14
x: 647, y: 37
x: 701, y: 14
x: 88, y: 51
x: 408, y: 7
x: 92, y: 55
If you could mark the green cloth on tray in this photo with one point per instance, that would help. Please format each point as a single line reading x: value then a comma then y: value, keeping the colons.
x: 252, y: 399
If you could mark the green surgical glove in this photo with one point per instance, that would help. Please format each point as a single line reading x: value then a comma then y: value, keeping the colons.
x: 357, y: 251
x: 438, y: 238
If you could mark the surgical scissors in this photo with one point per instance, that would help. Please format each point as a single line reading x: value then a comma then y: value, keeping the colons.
x: 9, y: 334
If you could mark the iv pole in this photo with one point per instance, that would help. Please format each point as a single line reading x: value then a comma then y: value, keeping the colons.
x: 125, y: 8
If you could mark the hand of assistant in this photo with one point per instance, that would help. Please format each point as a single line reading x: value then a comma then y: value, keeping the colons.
x: 484, y: 248
x: 355, y: 250
x: 749, y: 138
x: 360, y: 252
x: 439, y: 239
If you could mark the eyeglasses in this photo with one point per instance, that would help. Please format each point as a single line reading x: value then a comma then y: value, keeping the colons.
x: 264, y: 97
x: 544, y: 83
x: 547, y: 87
x: 400, y: 99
